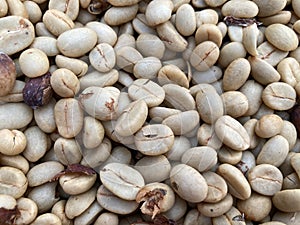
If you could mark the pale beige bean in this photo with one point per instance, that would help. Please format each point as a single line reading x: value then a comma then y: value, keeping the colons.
x: 179, y: 97
x: 33, y: 10
x: 235, y: 103
x: 28, y: 210
x: 77, y: 66
x: 250, y: 128
x: 256, y: 207
x: 57, y: 22
x: 127, y: 57
x: 289, y: 70
x: 217, y: 187
x: 64, y: 83
x: 154, y: 139
x: 30, y: 56
x: 68, y: 41
x: 59, y: 210
x: 289, y: 132
x: 47, y: 218
x: 250, y: 39
x: 270, y: 74
x: 178, y: 210
x: 233, y: 216
x: 13, y: 29
x: 122, y: 3
x: 237, y: 183
x: 104, y: 32
x: 235, y: 33
x: 185, y: 20
x: 67, y: 151
x: 106, y: 100
x: 216, y: 209
x: 282, y: 17
x: 232, y: 133
x: 140, y: 25
x: 295, y: 163
x: 246, y: 9
x: 16, y: 161
x: 286, y: 42
x: 279, y: 96
x: 206, y: 136
x: 113, y: 203
x: 124, y: 40
x: 17, y: 8
x: 122, y: 180
x: 4, y: 8
x: 270, y: 54
x: 13, y: 181
x: 77, y: 204
x: 286, y: 217
x: 128, y: 122
x: 148, y: 91
x: 172, y: 74
x: 208, y: 32
x: 36, y: 144
x: 184, y: 179
x: 201, y: 158
x: 177, y: 122
x: 274, y: 151
x: 265, y: 179
x: 181, y: 144
x: 209, y: 105
x: 230, y: 156
x: 96, y: 78
x: 268, y: 126
x: 44, y: 117
x: 154, y: 168
x: 46, y: 45
x: 247, y: 162
x: 110, y: 126
x: 291, y: 181
x: 159, y: 113
x: 164, y: 7
x: 96, y: 156
x: 92, y: 133
x: 287, y: 200
x: 41, y: 30
x: 74, y: 184
x: 13, y: 142
x: 150, y: 45
x: 119, y: 15
x: 15, y: 115
x: 253, y: 90
x: 103, y: 57
x: 204, y: 56
x: 70, y: 8
x: 88, y: 216
x: 195, y: 217
x: 147, y: 68
x: 107, y: 218
x: 207, y: 77
x: 43, y: 172
x: 269, y: 9
x: 171, y: 38
x: 231, y: 51
x: 68, y: 117
x: 206, y: 16
x: 16, y: 94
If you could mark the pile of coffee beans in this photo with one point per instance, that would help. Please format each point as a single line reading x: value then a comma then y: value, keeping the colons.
x: 158, y: 112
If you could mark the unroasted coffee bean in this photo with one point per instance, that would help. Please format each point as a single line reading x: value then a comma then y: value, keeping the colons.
x: 122, y: 180
x: 37, y: 91
x: 184, y: 179
x: 7, y: 74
